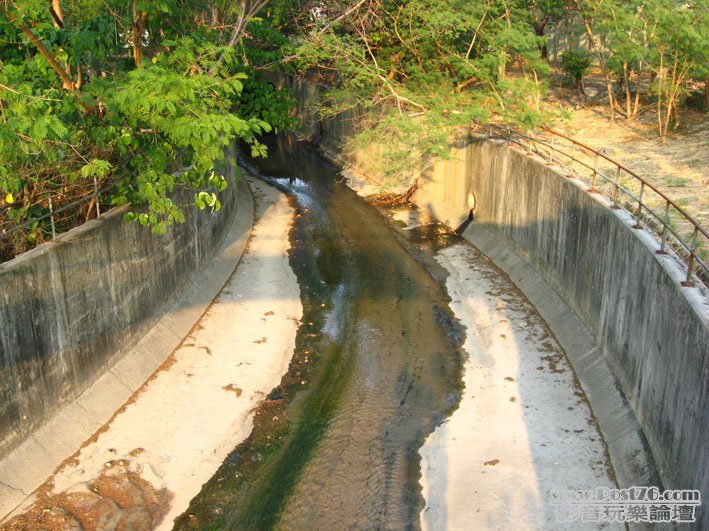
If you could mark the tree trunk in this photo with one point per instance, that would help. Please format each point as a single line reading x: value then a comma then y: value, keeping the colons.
x: 539, y: 32
x: 636, y: 105
x: 139, y: 19
x: 674, y: 93
x: 660, y: 77
x: 626, y: 87
x: 56, y: 11
x: 67, y: 83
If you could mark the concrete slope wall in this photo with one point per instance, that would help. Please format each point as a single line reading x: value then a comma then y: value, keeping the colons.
x: 653, y: 332
x: 70, y: 308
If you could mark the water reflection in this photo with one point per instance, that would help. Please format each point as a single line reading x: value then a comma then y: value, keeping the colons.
x: 384, y: 369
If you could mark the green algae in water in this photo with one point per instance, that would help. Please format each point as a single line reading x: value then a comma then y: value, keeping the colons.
x: 379, y: 353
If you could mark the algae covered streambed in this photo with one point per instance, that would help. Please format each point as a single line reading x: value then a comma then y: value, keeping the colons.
x: 377, y: 367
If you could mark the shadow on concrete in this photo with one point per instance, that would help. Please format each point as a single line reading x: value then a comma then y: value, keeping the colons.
x: 636, y: 337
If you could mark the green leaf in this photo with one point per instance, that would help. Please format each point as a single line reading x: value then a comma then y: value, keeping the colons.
x: 96, y: 168
x: 159, y: 228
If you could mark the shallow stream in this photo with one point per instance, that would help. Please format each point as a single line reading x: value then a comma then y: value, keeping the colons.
x: 377, y: 367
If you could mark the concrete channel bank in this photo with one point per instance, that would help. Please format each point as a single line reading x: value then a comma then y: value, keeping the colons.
x: 85, y: 320
x: 638, y: 340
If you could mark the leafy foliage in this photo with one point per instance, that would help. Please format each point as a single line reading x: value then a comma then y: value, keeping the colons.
x: 649, y: 47
x: 145, y: 95
x: 422, y: 69
x: 575, y: 64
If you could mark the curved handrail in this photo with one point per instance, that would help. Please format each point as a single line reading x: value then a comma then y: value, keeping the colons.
x: 695, y: 265
x: 659, y: 192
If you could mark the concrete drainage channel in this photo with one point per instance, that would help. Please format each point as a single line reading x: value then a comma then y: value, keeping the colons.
x: 640, y: 338
x: 29, y: 465
x: 511, y: 356
x: 350, y: 440
x: 645, y: 333
x: 590, y: 266
x: 632, y: 460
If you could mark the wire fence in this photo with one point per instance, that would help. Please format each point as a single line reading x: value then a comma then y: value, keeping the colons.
x: 673, y: 228
x: 62, y: 209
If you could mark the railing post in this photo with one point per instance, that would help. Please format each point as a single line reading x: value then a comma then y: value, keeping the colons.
x: 617, y: 186
x: 595, y: 171
x: 690, y: 266
x: 529, y: 144
x: 640, y: 207
x: 98, y: 208
x: 51, y: 217
x: 663, y: 239
x: 573, y: 154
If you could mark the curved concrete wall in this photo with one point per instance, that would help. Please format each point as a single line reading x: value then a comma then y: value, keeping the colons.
x: 69, y: 309
x: 652, y: 332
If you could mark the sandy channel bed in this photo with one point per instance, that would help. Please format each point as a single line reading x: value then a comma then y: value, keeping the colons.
x: 523, y: 432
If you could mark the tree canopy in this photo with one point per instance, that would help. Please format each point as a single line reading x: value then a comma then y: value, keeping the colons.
x: 649, y: 46
x: 146, y: 94
x: 424, y: 68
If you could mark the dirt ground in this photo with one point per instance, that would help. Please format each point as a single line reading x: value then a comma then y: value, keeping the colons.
x: 117, y: 499
x: 680, y: 167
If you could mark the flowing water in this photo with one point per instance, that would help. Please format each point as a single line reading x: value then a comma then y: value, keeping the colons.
x: 377, y: 367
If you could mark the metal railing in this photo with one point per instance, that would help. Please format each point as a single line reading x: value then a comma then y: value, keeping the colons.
x: 651, y: 208
x: 61, y: 218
